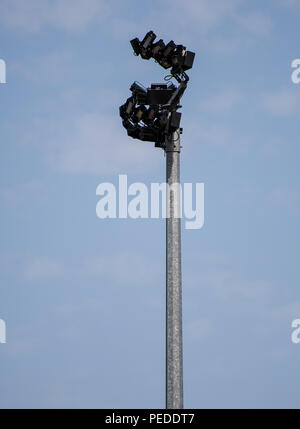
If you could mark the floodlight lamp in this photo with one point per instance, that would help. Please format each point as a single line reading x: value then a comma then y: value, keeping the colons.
x: 179, y: 53
x: 157, y: 49
x: 159, y: 94
x: 170, y: 55
x: 148, y: 39
x: 135, y: 43
x: 134, y: 131
x: 169, y: 49
x: 150, y: 135
x: 150, y: 114
x: 162, y: 119
x: 188, y: 60
x: 138, y: 113
x: 127, y: 108
x: 174, y: 122
x: 145, y: 45
x: 139, y: 93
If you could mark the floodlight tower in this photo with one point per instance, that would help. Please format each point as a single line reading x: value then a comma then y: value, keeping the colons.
x: 160, y: 123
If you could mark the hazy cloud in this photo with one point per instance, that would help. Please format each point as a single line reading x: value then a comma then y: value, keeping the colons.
x: 222, y: 102
x: 290, y: 4
x: 99, y: 144
x: 198, y: 329
x: 221, y: 277
x: 287, y: 198
x: 255, y: 23
x: 23, y: 195
x: 207, y: 13
x: 43, y: 269
x: 124, y: 268
x: 34, y: 15
x: 282, y: 102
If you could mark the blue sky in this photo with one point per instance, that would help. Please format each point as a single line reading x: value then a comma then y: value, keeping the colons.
x: 83, y: 298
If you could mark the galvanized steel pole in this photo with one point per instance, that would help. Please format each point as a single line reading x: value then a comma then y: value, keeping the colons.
x: 174, y: 366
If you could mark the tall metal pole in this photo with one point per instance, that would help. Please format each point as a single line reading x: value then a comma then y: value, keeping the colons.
x: 174, y: 367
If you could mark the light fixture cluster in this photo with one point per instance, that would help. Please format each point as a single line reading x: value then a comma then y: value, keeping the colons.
x: 146, y: 115
x: 150, y: 114
x: 167, y: 55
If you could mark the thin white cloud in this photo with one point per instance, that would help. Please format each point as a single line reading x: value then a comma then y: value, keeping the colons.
x: 294, y: 5
x: 121, y: 268
x: 221, y: 277
x: 286, y: 312
x: 196, y: 17
x: 130, y: 268
x: 228, y: 283
x: 288, y: 198
x: 74, y: 15
x: 51, y: 67
x: 223, y: 46
x: 43, y: 269
x: 207, y: 13
x: 20, y: 196
x: 212, y: 134
x: 255, y: 23
x: 197, y: 330
x: 98, y: 144
x: 282, y: 102
x: 28, y: 15
x: 222, y: 102
x: 272, y: 147
x: 34, y: 15
x: 203, y: 20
